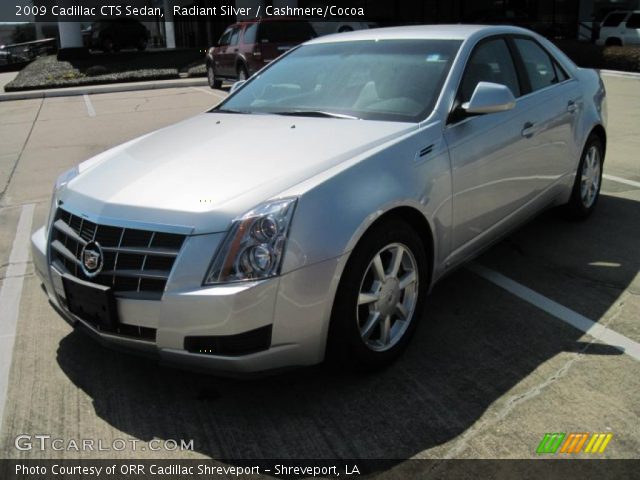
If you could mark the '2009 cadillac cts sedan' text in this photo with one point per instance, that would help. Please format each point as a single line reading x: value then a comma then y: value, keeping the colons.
x: 309, y: 213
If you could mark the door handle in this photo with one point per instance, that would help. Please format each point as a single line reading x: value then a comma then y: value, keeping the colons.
x: 529, y: 130
x: 235, y: 49
x: 572, y: 106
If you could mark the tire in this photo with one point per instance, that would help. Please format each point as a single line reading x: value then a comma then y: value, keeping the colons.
x: 586, y: 188
x: 212, y: 80
x: 356, y: 332
x: 242, y: 73
x: 613, y: 42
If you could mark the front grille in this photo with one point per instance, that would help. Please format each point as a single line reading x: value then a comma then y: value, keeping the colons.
x: 136, y: 263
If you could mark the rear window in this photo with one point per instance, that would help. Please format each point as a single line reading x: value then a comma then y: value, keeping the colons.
x: 613, y: 19
x: 285, y: 32
x: 634, y: 21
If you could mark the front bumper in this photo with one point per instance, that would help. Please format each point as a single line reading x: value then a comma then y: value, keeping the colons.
x: 294, y: 308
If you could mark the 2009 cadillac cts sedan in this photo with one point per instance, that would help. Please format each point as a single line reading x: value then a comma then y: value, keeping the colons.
x: 308, y: 214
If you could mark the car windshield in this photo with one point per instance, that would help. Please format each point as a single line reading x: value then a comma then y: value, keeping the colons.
x: 397, y: 80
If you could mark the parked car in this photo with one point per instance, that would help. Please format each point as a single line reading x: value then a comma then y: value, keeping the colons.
x: 115, y: 34
x: 6, y: 57
x: 246, y: 47
x: 308, y: 215
x: 323, y: 27
x: 620, y: 28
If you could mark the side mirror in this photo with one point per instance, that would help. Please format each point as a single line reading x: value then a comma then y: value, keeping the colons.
x: 236, y: 85
x: 490, y: 98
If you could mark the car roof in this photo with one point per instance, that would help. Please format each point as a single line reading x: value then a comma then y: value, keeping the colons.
x: 423, y: 32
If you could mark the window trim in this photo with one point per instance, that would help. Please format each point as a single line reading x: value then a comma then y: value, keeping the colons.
x: 554, y: 63
x: 453, y: 118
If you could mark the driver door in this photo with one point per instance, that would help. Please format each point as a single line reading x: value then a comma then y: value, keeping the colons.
x: 490, y: 154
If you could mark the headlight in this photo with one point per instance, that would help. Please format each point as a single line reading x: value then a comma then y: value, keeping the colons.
x: 61, y: 181
x: 254, y: 247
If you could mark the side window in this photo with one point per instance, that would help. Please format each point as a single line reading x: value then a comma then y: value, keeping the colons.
x: 634, y: 21
x: 614, y: 19
x: 235, y: 36
x: 537, y: 63
x: 490, y: 62
x: 250, y: 34
x: 224, y: 39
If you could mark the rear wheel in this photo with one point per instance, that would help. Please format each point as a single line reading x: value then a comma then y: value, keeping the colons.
x: 613, y: 42
x: 380, y: 297
x: 586, y: 188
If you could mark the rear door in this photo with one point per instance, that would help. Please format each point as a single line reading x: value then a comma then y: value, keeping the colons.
x: 552, y: 106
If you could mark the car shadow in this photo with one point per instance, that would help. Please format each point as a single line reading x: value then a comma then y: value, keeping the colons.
x: 476, y: 342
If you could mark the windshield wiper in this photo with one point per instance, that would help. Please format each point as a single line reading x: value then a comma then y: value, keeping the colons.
x: 230, y: 110
x: 315, y: 113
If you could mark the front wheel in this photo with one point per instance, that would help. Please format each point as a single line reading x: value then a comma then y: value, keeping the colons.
x: 379, y: 299
x: 586, y: 188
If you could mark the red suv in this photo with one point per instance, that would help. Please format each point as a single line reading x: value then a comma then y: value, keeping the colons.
x: 246, y: 47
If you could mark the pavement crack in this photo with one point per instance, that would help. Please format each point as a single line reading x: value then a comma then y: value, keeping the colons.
x: 513, y: 402
x: 24, y: 145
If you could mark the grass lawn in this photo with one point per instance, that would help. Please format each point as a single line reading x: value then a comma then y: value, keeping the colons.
x: 100, y: 68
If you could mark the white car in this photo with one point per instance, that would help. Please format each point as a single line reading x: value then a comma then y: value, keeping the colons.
x: 310, y: 212
x: 620, y: 28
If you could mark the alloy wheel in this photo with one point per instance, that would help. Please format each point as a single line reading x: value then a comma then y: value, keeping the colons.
x: 387, y: 297
x: 590, y: 178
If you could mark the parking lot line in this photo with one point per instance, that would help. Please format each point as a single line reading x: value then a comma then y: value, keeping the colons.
x: 209, y: 91
x: 621, y: 180
x: 87, y: 101
x: 561, y: 312
x: 10, y: 294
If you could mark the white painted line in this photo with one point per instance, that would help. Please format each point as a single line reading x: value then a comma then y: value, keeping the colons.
x: 10, y: 294
x: 618, y: 73
x: 561, y: 312
x: 87, y: 101
x: 210, y: 91
x: 613, y: 178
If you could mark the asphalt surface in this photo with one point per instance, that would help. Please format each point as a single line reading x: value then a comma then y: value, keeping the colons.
x: 487, y: 375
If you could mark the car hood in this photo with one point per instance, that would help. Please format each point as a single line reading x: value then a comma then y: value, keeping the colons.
x: 203, y: 172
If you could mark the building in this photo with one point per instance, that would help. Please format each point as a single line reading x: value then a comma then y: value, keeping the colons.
x: 553, y: 18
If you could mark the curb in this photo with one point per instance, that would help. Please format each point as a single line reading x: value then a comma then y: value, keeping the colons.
x: 620, y: 73
x: 97, y: 89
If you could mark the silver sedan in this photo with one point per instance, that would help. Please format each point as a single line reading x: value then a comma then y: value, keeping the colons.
x: 307, y: 216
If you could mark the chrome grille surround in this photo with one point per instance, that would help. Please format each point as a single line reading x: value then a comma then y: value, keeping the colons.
x: 136, y: 264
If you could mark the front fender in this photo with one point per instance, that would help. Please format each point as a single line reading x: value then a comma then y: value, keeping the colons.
x: 334, y: 214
